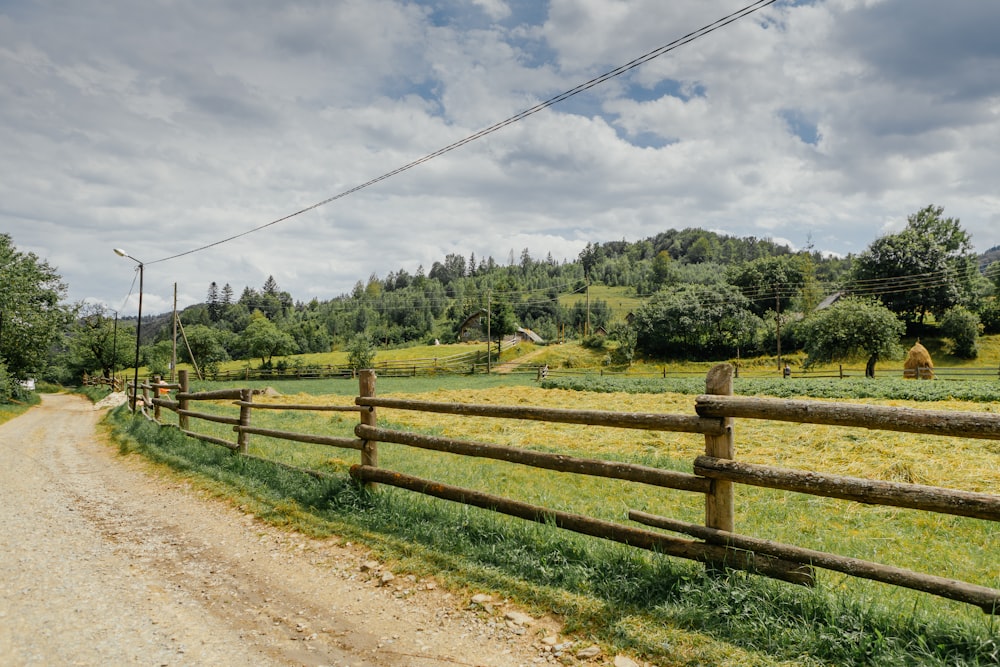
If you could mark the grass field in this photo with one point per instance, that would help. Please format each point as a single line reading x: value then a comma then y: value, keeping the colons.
x: 626, y: 599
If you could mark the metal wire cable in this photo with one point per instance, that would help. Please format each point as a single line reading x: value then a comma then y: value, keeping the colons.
x: 677, y: 43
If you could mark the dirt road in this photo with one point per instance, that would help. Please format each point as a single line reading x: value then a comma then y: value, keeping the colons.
x: 104, y: 562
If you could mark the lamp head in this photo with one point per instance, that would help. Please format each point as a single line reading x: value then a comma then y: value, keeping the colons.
x: 120, y: 252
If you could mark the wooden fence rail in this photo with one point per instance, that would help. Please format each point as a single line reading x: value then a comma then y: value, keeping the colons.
x: 716, y: 473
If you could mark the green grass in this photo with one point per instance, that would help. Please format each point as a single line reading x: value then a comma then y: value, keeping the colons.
x: 858, y: 388
x: 665, y: 609
x: 621, y: 300
x: 16, y: 408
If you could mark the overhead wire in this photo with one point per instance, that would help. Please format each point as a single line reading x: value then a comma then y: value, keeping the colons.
x: 655, y: 53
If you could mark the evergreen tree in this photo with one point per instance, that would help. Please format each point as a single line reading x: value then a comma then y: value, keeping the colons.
x: 214, y: 304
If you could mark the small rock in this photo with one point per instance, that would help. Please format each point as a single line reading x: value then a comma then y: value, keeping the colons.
x: 481, y: 598
x: 386, y: 578
x: 518, y: 618
x: 588, y: 653
x: 551, y: 640
x: 369, y: 566
x: 622, y: 661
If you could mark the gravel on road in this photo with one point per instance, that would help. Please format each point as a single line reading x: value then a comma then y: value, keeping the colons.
x: 107, y: 560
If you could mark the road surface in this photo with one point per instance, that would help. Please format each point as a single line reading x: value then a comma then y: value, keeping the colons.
x: 106, y: 561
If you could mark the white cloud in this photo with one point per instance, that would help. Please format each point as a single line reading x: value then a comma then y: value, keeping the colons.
x: 164, y: 129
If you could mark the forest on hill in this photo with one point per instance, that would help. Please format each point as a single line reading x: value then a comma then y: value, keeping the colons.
x: 681, y: 294
x: 689, y: 293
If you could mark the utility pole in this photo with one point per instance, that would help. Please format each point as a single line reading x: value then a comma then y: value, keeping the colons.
x: 173, y: 356
x: 489, y: 337
x: 777, y: 321
x: 586, y: 331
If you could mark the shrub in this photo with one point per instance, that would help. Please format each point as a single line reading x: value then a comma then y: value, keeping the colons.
x: 962, y: 326
x: 360, y: 353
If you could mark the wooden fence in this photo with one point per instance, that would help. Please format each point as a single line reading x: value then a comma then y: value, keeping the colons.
x: 716, y: 543
x: 113, y: 383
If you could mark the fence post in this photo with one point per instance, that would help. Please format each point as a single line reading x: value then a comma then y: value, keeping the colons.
x: 145, y: 396
x: 156, y: 394
x: 719, y: 501
x: 243, y: 438
x: 366, y: 389
x: 182, y: 401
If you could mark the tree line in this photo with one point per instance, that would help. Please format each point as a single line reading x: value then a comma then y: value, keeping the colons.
x: 700, y: 295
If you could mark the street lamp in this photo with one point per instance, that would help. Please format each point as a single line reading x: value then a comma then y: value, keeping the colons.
x: 138, y: 326
x: 114, y: 352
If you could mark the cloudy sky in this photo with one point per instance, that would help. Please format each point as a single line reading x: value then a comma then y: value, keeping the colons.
x: 165, y: 126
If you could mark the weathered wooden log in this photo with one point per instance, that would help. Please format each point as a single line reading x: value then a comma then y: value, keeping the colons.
x: 294, y: 406
x: 872, y: 492
x: 182, y: 379
x: 242, y: 433
x: 987, y: 599
x: 328, y: 440
x: 646, y: 421
x: 212, y: 439
x: 369, y: 417
x: 214, y: 395
x: 644, y: 539
x: 720, y: 503
x: 166, y: 403
x: 233, y: 421
x: 934, y: 422
x: 559, y: 462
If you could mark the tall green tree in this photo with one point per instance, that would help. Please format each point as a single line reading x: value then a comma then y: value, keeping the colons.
x: 770, y: 283
x: 926, y: 268
x: 97, y: 342
x: 263, y: 339
x: 32, y: 317
x: 852, y: 328
x: 696, y: 322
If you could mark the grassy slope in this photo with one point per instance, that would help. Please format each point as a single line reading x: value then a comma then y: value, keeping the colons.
x: 632, y: 600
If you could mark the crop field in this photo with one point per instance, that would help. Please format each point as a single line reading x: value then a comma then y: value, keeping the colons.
x: 554, y: 569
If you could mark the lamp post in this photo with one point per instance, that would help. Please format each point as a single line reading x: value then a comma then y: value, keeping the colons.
x: 138, y: 326
x: 114, y: 352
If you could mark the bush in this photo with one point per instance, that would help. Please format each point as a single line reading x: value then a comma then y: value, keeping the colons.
x: 360, y: 353
x: 989, y: 316
x: 6, y: 384
x: 962, y: 327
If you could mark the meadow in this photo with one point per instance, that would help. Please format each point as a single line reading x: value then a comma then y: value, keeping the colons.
x: 666, y: 610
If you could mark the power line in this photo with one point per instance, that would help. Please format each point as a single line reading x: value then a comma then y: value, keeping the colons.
x: 656, y: 53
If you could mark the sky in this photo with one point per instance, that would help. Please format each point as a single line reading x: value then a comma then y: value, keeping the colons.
x: 165, y: 127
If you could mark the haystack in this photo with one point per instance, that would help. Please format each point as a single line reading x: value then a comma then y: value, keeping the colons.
x: 918, y: 363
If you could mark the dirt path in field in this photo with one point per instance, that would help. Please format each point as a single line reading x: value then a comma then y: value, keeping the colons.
x: 514, y: 364
x: 107, y: 562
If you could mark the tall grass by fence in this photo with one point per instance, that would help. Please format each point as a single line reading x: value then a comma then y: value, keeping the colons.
x: 716, y: 473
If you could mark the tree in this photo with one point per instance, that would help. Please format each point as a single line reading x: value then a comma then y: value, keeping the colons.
x: 696, y: 322
x: 262, y: 338
x: 926, y: 268
x: 214, y: 302
x: 853, y: 327
x: 962, y: 326
x: 32, y: 319
x: 361, y: 352
x: 769, y: 283
x: 98, y: 343
x: 205, y: 344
